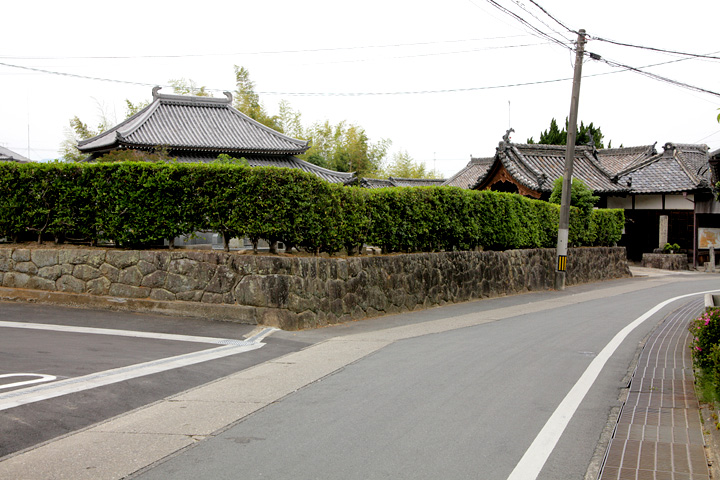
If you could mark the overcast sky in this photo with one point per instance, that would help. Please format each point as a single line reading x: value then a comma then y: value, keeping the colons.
x: 368, y: 62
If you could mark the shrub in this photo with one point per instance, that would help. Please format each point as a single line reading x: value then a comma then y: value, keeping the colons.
x: 141, y: 203
x: 706, y: 331
x: 706, y: 350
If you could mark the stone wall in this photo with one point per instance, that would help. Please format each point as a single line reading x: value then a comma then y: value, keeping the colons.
x: 289, y: 292
x: 665, y: 261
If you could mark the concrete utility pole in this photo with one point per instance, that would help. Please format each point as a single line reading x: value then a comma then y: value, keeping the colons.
x: 563, y: 228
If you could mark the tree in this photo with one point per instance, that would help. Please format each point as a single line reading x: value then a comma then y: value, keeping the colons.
x: 77, y: 131
x: 403, y: 166
x: 580, y: 195
x: 188, y: 87
x: 555, y: 136
x: 344, y: 147
x: 248, y: 101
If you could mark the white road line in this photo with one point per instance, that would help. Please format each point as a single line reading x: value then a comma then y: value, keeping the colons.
x: 41, y: 379
x: 24, y: 396
x: 107, y: 377
x: 535, y: 457
x: 120, y: 333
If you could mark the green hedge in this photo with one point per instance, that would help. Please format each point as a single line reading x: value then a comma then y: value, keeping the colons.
x: 138, y: 204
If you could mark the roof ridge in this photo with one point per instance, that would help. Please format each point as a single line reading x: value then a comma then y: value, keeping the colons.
x: 538, y: 174
x: 639, y: 165
x: 312, y: 166
x: 685, y: 167
x: 305, y: 144
x: 639, y: 148
x: 596, y: 163
x: 194, y: 99
x: 144, y: 114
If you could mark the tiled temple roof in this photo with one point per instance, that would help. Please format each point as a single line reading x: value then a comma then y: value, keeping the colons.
x: 615, y: 160
x: 468, y: 176
x: 538, y: 166
x: 193, y: 124
x: 680, y: 167
x: 7, y: 155
x: 198, y: 129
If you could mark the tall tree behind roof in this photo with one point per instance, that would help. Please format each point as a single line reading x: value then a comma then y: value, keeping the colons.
x: 555, y: 136
x: 403, y: 165
x: 181, y: 86
x: 248, y: 101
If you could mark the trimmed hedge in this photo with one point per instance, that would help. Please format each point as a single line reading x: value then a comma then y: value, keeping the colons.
x: 138, y: 204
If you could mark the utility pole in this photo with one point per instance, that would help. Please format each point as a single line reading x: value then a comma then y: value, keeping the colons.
x: 563, y: 228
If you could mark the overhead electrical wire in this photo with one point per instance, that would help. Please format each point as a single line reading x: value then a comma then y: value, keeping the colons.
x: 659, y: 77
x: 526, y: 23
x: 538, y: 32
x: 598, y: 57
x: 553, y: 18
x: 521, y: 5
x: 661, y: 50
x: 268, y: 52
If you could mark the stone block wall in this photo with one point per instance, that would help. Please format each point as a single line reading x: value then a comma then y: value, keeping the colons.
x: 291, y: 292
x: 665, y: 261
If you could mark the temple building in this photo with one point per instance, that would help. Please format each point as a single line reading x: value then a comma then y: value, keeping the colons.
x: 198, y: 129
x: 667, y: 196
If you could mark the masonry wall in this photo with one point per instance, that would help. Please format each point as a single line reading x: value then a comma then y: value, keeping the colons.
x: 289, y: 292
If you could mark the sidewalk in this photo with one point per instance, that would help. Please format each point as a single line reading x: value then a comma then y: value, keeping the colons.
x: 659, y: 434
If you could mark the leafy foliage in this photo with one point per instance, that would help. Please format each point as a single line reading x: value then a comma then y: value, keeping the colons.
x: 403, y: 166
x: 141, y: 203
x: 227, y: 159
x: 706, y: 342
x: 580, y: 195
x: 585, y: 134
x: 181, y: 86
x: 159, y: 154
x: 248, y: 101
x: 706, y: 352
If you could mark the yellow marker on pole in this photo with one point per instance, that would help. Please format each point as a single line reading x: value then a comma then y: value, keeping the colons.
x: 562, y: 263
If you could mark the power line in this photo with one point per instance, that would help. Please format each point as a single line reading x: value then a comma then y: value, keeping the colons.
x: 420, y: 55
x: 521, y: 5
x: 267, y: 52
x: 655, y: 76
x: 414, y: 92
x: 553, y: 18
x: 85, y: 77
x: 672, y: 52
x: 526, y: 23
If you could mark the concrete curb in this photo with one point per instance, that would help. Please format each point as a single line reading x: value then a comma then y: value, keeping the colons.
x: 210, y: 311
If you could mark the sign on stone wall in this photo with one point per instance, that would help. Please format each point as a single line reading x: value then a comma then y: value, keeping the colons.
x: 708, y: 237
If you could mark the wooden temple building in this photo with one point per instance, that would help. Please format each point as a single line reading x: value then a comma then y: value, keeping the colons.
x: 673, y: 188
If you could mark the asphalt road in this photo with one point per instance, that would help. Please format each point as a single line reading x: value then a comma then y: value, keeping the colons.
x: 455, y: 404
x: 76, y: 355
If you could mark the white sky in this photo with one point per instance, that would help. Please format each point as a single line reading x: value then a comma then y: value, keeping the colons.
x: 325, y: 47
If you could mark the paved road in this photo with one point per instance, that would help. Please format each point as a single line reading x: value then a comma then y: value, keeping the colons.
x: 79, y: 347
x: 456, y: 392
x: 465, y: 403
